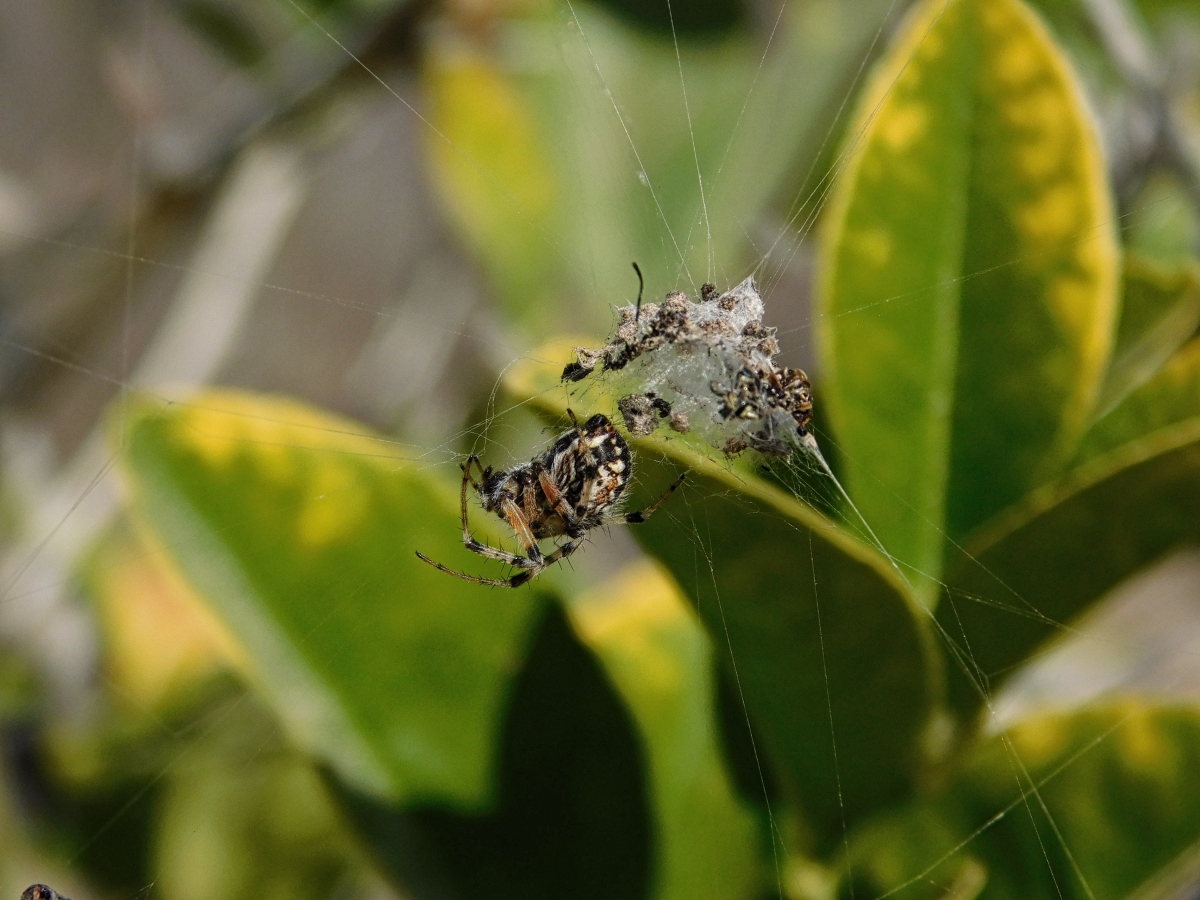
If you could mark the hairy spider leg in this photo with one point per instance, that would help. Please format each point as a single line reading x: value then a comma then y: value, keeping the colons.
x: 473, y: 545
x: 559, y: 553
x: 494, y: 582
x: 467, y: 472
x: 530, y: 566
x: 520, y: 526
x: 526, y: 575
x: 636, y: 518
x: 556, y: 499
x: 529, y: 498
x: 531, y: 569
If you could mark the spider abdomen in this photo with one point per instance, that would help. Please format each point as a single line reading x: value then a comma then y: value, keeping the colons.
x: 593, y: 476
x: 576, y: 485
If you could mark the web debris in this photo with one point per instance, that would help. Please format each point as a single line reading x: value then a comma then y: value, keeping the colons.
x: 705, y: 368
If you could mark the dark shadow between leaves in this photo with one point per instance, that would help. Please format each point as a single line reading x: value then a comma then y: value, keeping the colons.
x: 571, y: 817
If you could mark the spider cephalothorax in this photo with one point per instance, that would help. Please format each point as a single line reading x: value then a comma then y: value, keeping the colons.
x: 41, y: 892
x: 574, y: 486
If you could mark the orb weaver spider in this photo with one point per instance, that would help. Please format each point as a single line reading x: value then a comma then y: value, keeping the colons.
x: 574, y: 486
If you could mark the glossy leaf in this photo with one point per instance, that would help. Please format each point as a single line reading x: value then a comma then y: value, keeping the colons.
x: 970, y: 253
x: 612, y: 782
x: 573, y: 808
x: 796, y: 606
x: 1160, y: 309
x: 299, y: 531
x: 141, y: 601
x: 660, y: 661
x: 1171, y: 398
x: 1043, y: 562
x: 560, y: 175
x: 1094, y: 804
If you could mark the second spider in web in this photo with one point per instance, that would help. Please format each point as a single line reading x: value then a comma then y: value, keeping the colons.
x: 576, y: 485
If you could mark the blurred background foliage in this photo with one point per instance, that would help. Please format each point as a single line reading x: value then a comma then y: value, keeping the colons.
x: 222, y: 669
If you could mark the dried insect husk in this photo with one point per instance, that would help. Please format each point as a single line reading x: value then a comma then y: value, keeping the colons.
x: 704, y: 369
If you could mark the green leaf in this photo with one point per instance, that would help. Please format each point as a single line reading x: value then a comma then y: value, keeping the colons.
x: 1160, y: 310
x: 240, y: 814
x: 1043, y: 562
x: 1093, y: 804
x: 557, y: 191
x: 299, y: 530
x: 1167, y: 13
x: 1170, y: 398
x: 572, y: 814
x: 797, y: 607
x: 970, y: 254
x: 660, y: 661
x: 1163, y: 225
x: 140, y: 601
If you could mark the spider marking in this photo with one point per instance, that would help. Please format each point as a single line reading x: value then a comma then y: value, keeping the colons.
x: 574, y: 486
x: 41, y: 892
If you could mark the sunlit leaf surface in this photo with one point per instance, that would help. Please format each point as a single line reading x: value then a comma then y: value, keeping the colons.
x: 612, y: 777
x: 970, y: 254
x: 796, y: 607
x: 1020, y: 579
x: 141, y: 602
x: 660, y: 661
x: 1094, y: 804
x: 299, y: 531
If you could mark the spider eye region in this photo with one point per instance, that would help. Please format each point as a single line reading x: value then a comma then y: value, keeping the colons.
x: 597, y: 424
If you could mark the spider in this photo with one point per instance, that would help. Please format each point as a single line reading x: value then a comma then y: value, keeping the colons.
x: 41, y: 892
x: 570, y: 489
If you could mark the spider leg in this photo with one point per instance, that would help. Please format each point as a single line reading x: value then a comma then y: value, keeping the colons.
x: 467, y: 479
x: 529, y: 505
x: 558, y: 500
x: 475, y: 546
x: 494, y: 582
x: 636, y: 518
x: 478, y: 485
x: 512, y: 559
x: 520, y: 526
x: 563, y: 552
x: 550, y: 559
